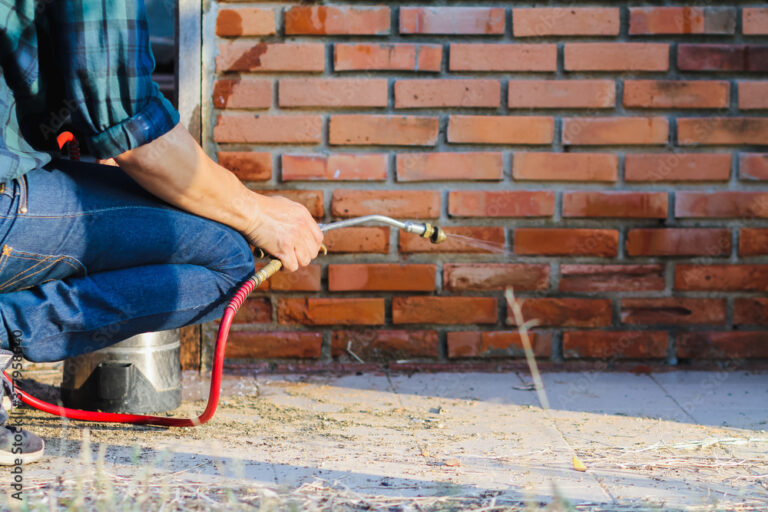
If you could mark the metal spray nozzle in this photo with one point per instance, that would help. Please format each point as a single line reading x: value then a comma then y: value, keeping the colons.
x: 424, y: 229
x: 434, y: 234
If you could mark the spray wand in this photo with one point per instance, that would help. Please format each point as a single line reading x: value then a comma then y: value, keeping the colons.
x: 424, y: 229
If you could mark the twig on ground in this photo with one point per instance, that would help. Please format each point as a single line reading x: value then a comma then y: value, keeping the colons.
x: 355, y: 356
x: 522, y: 327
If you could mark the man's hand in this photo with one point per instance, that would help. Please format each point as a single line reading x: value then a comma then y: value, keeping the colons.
x: 286, y: 230
x: 176, y: 169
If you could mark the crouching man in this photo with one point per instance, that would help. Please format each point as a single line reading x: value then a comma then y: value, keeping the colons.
x: 86, y: 249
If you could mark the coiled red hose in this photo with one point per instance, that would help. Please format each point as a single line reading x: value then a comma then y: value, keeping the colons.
x: 141, y: 419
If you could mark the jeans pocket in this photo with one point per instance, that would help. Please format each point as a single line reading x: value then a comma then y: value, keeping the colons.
x: 21, y: 269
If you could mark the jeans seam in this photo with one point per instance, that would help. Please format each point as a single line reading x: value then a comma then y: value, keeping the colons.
x: 41, y: 260
x: 77, y: 265
x: 88, y: 213
x: 25, y: 275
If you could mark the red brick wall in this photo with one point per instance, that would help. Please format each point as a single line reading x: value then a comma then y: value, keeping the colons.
x: 613, y: 153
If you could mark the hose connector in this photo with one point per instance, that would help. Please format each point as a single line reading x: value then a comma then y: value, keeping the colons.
x: 266, y: 272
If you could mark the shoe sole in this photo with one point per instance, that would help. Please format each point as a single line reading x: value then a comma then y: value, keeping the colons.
x: 10, y: 459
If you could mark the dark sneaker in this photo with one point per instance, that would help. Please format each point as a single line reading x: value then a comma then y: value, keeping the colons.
x: 17, y: 444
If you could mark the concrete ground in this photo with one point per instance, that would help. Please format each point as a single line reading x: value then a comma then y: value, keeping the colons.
x: 680, y: 440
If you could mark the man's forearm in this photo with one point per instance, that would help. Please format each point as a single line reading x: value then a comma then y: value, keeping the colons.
x: 176, y: 169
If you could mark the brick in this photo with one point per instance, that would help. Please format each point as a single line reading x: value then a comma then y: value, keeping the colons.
x: 323, y: 311
x: 247, y: 165
x: 447, y: 93
x: 615, y: 344
x: 493, y: 344
x: 311, y: 199
x: 565, y: 21
x: 444, y: 310
x: 318, y: 20
x: 565, y: 312
x: 495, y: 276
x: 753, y: 95
x: 417, y: 204
x: 754, y: 21
x: 722, y: 57
x: 722, y: 345
x: 274, y: 345
x: 381, y: 277
x: 452, y: 20
x: 248, y: 21
x: 628, y: 205
x: 606, y: 131
x: 450, y: 166
x: 723, y: 204
x: 268, y: 129
x: 681, y: 20
x: 358, y: 240
x: 379, y: 345
x: 751, y: 278
x: 750, y: 311
x: 503, y: 57
x: 306, y: 279
x: 561, y: 94
x: 255, y: 310
x: 611, y: 278
x: 753, y: 166
x: 501, y: 129
x: 387, y: 57
x: 753, y: 241
x: 679, y: 242
x: 661, y: 167
x: 485, y: 240
x: 333, y: 92
x: 501, y: 203
x: 242, y: 93
x: 566, y: 242
x: 676, y: 94
x: 722, y: 130
x: 672, y: 311
x: 616, y: 57
x: 270, y: 57
x: 335, y: 167
x: 565, y: 166
x: 358, y: 129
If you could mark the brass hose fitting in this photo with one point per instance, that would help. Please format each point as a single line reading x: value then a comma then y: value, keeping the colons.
x: 434, y: 233
x: 266, y: 272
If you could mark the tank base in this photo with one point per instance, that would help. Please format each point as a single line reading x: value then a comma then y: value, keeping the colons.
x: 140, y: 375
x: 120, y: 387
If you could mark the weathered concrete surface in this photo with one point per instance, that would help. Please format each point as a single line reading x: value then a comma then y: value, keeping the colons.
x: 674, y: 440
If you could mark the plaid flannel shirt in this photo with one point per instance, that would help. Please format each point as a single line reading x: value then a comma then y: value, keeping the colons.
x: 86, y: 62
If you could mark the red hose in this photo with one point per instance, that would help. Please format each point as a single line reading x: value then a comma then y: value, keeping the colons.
x: 140, y: 419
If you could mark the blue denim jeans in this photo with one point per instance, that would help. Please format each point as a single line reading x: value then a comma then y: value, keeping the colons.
x: 89, y: 258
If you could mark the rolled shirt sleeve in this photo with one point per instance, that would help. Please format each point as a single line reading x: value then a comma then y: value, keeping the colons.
x: 103, y: 56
